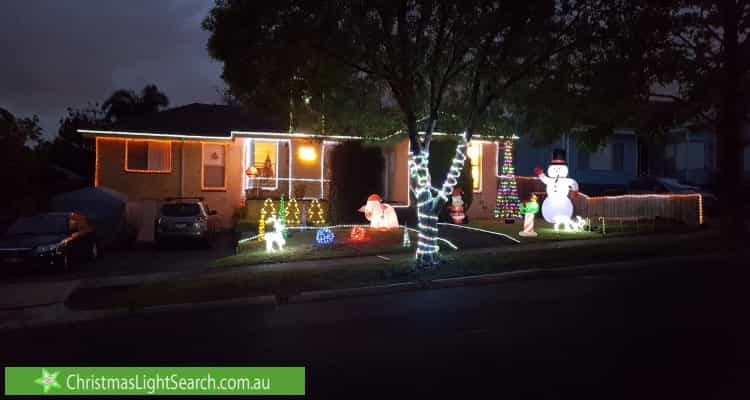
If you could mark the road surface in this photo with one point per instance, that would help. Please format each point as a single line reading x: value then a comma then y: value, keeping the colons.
x: 667, y: 331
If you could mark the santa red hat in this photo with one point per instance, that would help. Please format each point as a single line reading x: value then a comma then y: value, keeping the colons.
x: 374, y: 197
x: 458, y: 192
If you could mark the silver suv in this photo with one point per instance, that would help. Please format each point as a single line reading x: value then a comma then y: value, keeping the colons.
x: 180, y: 218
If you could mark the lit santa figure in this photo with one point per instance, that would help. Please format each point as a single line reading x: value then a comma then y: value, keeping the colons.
x: 557, y: 204
x: 457, y: 206
x: 379, y: 214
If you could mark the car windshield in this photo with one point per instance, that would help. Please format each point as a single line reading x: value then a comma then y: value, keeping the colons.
x: 40, y: 224
x: 180, y: 210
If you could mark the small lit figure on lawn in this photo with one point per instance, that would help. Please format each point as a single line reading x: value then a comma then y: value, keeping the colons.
x: 570, y: 225
x: 529, y: 210
x: 357, y: 234
x: 276, y: 237
x: 457, y: 207
x: 324, y: 236
x: 379, y: 214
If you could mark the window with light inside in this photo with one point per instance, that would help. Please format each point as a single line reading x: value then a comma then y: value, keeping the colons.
x: 148, y: 156
x: 264, y: 157
x: 474, y: 152
x: 214, y: 166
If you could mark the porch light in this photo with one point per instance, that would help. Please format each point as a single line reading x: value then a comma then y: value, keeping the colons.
x: 307, y: 153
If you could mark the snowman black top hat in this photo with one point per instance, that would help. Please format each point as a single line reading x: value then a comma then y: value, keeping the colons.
x: 558, y: 157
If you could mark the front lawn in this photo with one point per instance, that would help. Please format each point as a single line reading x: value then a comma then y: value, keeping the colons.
x: 546, y: 231
x: 220, y: 284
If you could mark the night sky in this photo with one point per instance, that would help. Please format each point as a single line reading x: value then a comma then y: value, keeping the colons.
x: 58, y: 54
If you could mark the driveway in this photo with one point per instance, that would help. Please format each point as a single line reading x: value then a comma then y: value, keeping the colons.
x: 143, y: 259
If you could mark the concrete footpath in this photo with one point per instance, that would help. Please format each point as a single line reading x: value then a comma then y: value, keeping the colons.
x: 35, y: 303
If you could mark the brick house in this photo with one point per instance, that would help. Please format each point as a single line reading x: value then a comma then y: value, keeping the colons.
x: 221, y: 153
x: 230, y: 156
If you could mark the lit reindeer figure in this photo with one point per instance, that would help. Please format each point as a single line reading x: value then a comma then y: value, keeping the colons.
x: 277, y: 236
x: 569, y: 224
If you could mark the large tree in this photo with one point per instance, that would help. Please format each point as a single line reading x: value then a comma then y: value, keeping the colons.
x: 709, y: 64
x: 127, y: 103
x: 23, y: 166
x: 428, y: 55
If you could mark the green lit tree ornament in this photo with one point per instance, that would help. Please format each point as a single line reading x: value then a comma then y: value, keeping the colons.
x: 282, y: 215
x: 507, y: 205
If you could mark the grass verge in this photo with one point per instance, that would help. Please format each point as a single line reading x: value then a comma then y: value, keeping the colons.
x: 237, y: 283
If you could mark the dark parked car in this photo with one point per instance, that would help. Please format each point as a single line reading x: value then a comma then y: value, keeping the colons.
x: 56, y: 240
x: 653, y: 184
x: 181, y: 218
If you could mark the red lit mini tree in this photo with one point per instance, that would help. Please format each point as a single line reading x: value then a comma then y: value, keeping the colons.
x: 507, y: 190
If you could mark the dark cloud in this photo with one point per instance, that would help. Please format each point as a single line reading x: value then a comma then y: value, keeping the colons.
x: 55, y: 54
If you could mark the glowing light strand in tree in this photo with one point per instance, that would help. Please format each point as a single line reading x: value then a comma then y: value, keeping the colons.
x: 427, y: 195
x: 507, y: 205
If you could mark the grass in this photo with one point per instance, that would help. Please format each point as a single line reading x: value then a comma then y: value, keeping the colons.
x: 233, y: 283
x: 546, y: 232
x: 301, y: 245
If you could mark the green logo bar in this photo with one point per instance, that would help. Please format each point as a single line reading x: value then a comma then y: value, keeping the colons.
x: 138, y: 381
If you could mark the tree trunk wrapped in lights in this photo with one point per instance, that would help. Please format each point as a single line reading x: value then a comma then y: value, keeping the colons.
x: 431, y: 200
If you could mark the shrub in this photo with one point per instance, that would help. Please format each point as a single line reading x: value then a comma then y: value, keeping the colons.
x: 357, y: 172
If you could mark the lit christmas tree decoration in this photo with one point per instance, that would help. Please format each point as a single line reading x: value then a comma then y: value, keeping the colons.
x: 293, y: 213
x: 315, y: 215
x: 262, y: 225
x: 324, y: 236
x: 266, y: 211
x: 507, y: 206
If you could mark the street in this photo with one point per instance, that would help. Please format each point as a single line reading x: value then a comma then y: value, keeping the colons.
x: 677, y: 331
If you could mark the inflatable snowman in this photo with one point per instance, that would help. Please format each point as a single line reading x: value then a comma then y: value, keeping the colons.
x: 557, y: 204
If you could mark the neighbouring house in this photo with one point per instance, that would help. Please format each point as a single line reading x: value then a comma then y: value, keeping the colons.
x: 608, y: 170
x: 221, y: 153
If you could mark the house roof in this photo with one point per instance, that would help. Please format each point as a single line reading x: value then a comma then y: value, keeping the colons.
x: 220, y: 122
x: 199, y: 120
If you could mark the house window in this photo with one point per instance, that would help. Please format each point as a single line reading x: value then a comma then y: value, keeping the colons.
x: 214, y: 166
x: 583, y: 160
x: 690, y: 156
x: 148, y: 156
x: 602, y: 159
x: 475, y: 156
x: 618, y: 156
x: 264, y: 156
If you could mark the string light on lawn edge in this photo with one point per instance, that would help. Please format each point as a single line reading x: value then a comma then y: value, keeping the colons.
x: 311, y: 228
